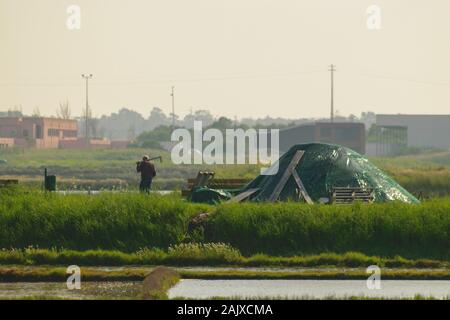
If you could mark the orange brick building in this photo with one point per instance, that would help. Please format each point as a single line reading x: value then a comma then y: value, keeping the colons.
x: 48, y: 133
x: 37, y: 132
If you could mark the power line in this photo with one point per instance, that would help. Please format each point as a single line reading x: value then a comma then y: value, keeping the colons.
x: 145, y: 82
x: 222, y: 78
x: 404, y: 79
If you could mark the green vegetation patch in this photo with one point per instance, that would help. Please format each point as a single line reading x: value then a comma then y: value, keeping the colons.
x: 390, y: 229
x: 45, y: 274
x: 315, y: 275
x: 128, y: 222
x: 210, y: 254
x: 122, y: 221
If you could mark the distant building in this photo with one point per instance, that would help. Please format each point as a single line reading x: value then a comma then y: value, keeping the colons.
x: 11, y: 113
x: 6, y: 143
x: 47, y: 133
x: 412, y: 130
x: 347, y: 134
x: 37, y: 132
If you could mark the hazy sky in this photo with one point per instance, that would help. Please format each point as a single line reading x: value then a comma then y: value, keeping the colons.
x: 234, y: 57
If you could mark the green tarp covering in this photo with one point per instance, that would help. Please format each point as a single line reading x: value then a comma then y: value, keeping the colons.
x: 321, y: 168
x: 326, y: 166
x: 208, y: 195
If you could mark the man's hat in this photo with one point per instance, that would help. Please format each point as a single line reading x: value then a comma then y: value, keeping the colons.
x: 146, y: 157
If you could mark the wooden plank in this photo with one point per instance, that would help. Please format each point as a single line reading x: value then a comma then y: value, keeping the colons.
x: 202, y: 179
x: 353, y: 196
x: 244, y: 195
x: 302, y: 188
x: 197, y: 180
x: 206, y: 178
x: 191, y: 180
x: 292, y: 165
x: 217, y: 183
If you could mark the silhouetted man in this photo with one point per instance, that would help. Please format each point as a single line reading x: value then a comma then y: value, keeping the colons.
x: 148, y: 172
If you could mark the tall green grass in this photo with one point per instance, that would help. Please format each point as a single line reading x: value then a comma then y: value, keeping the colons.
x: 130, y: 221
x: 424, y: 183
x: 377, y: 229
x: 123, y: 221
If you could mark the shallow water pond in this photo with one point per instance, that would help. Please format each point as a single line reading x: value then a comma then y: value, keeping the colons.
x: 296, y: 289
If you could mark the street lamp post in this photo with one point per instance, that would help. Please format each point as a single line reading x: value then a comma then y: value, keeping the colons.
x: 87, y: 77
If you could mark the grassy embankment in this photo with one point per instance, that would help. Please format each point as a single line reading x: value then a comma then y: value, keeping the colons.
x: 48, y: 274
x: 129, y: 222
x: 210, y: 254
x: 158, y: 282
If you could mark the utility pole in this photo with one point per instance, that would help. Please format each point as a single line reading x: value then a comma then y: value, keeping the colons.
x: 87, y: 77
x: 173, y: 106
x: 332, y: 70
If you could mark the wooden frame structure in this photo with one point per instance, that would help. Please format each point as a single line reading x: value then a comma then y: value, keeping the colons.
x: 290, y: 171
x: 207, y: 179
x: 243, y: 195
x: 341, y: 195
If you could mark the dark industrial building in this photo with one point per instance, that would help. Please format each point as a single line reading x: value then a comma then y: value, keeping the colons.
x: 348, y: 134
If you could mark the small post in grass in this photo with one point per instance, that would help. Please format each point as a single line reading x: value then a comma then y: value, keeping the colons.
x: 49, y: 181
